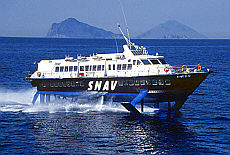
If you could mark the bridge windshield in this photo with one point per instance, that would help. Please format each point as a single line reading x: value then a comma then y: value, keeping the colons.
x: 146, y: 62
x: 162, y: 61
x: 155, y: 61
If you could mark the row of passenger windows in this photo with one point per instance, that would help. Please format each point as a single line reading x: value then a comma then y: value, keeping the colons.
x: 66, y: 68
x: 144, y: 82
x: 82, y: 68
x: 110, y: 67
x: 120, y: 67
x: 93, y: 68
x: 62, y: 84
x: 120, y: 83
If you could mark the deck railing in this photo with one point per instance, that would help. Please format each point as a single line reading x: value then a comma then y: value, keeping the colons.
x: 192, y: 68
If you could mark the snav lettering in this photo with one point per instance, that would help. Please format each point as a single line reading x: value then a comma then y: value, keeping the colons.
x: 99, y: 85
x: 90, y: 84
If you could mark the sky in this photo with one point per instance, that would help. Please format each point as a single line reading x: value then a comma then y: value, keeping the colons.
x: 33, y: 18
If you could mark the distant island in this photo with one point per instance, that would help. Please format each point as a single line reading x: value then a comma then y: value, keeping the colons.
x: 171, y: 30
x: 72, y: 28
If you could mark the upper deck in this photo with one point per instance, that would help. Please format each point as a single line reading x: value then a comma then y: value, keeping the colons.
x: 130, y: 63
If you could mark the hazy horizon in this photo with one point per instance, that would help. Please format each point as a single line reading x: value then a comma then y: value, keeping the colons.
x: 34, y: 18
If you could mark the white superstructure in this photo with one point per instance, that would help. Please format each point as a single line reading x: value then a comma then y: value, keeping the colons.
x: 134, y: 61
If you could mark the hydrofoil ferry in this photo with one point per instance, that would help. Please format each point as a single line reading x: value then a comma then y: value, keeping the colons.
x: 131, y: 77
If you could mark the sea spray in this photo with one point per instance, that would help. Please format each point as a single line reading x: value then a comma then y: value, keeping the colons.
x: 20, y: 101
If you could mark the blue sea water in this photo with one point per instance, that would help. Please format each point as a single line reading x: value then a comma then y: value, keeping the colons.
x: 203, y: 127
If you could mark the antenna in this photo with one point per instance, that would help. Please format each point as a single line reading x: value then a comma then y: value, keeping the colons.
x: 116, y: 42
x: 126, y: 39
x: 125, y: 20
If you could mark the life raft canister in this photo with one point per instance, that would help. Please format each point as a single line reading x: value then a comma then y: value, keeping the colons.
x: 39, y: 74
x: 30, y: 72
x: 166, y: 69
x: 184, y: 67
x: 199, y: 68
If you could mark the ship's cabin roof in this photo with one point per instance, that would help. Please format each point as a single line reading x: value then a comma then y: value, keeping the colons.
x: 132, y: 53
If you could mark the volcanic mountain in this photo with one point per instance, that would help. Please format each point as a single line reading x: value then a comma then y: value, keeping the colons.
x: 72, y: 28
x: 171, y: 30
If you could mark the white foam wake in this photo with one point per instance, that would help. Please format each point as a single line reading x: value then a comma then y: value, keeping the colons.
x: 21, y: 100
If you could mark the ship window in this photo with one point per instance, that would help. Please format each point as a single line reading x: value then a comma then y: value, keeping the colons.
x: 137, y: 82
x: 51, y: 84
x: 154, y: 82
x: 134, y: 62
x: 114, y: 67
x: 119, y: 67
x: 94, y: 67
x: 120, y: 83
x: 167, y: 82
x: 90, y: 68
x: 75, y: 68
x: 59, y: 84
x: 129, y: 60
x: 103, y: 67
x: 55, y: 84
x: 72, y: 84
x: 154, y: 62
x: 109, y: 67
x: 63, y: 84
x: 81, y: 68
x: 162, y: 61
x: 124, y: 67
x: 68, y: 84
x: 138, y: 62
x: 161, y: 82
x: 70, y: 68
x: 129, y: 66
x: 81, y: 84
x: 126, y: 83
x: 77, y: 84
x: 99, y: 68
x: 142, y: 82
x: 44, y: 84
x: 61, y: 68
x: 148, y: 82
x: 131, y: 82
x: 87, y: 68
x: 146, y: 62
x: 57, y: 69
x: 66, y: 68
